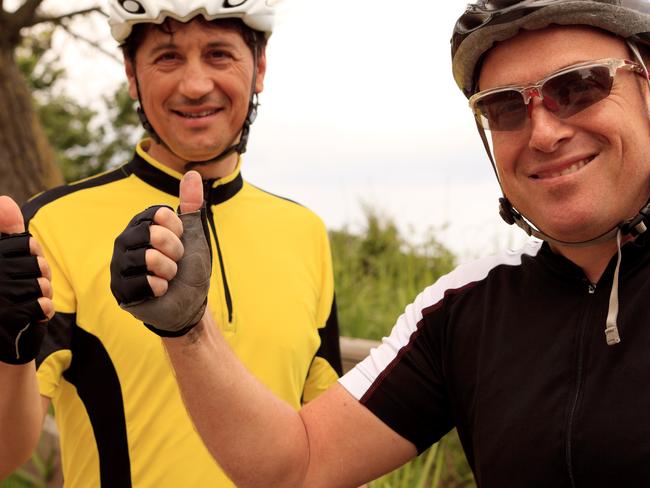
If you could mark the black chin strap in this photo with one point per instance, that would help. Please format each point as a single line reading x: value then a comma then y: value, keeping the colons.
x: 635, y: 226
x: 239, y: 147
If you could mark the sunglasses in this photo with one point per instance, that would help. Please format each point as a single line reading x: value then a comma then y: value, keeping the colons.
x: 564, y: 93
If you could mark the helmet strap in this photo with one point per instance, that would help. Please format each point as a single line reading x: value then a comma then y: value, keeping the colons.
x: 238, y: 147
x: 635, y: 226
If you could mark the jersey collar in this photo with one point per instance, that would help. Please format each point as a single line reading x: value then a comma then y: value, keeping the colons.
x: 165, y: 179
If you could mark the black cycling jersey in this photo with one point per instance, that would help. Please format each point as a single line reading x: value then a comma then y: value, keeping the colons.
x: 511, y: 350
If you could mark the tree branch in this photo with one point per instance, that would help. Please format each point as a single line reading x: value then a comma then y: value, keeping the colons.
x: 58, y: 19
x: 91, y: 43
x: 24, y: 16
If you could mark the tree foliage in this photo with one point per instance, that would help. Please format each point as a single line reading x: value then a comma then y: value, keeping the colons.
x: 26, y: 158
x: 83, y: 145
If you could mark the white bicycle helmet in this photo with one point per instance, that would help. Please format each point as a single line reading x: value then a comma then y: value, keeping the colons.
x: 124, y: 14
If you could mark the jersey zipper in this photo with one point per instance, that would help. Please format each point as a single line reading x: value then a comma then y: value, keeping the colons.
x: 578, y: 387
x: 207, y: 188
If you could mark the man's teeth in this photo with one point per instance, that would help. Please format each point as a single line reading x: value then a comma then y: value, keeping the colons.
x: 197, y: 115
x: 571, y: 169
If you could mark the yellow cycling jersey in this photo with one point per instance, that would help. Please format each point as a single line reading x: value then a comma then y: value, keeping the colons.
x: 117, y: 405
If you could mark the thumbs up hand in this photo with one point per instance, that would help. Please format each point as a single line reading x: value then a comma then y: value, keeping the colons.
x: 25, y: 290
x: 160, y: 271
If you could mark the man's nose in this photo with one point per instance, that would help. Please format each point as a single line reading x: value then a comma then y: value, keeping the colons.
x: 196, y: 81
x: 547, y: 131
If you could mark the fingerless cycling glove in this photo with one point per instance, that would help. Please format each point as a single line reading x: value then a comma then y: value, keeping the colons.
x: 179, y: 310
x: 22, y: 321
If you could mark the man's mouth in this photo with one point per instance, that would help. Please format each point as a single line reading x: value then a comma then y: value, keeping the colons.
x: 575, y: 167
x: 196, y: 115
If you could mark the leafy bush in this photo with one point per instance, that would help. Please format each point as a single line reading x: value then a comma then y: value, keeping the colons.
x: 377, y: 273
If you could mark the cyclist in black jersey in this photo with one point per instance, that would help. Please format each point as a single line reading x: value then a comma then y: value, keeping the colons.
x: 539, y: 357
x: 196, y: 68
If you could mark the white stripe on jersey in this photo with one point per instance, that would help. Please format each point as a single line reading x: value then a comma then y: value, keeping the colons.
x: 358, y: 380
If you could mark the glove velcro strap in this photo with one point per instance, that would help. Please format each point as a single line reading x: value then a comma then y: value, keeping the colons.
x: 22, y: 321
x: 170, y: 333
x: 21, y: 332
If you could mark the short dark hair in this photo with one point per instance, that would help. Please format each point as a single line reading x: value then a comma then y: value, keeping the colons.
x: 255, y: 40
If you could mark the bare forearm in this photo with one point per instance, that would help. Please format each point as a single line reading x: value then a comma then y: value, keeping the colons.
x: 21, y: 415
x: 258, y: 439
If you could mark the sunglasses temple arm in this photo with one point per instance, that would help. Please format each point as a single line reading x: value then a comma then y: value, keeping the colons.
x: 509, y: 214
x: 635, y: 50
x: 486, y: 144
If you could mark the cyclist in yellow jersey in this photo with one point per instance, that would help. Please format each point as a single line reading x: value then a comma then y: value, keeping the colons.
x: 539, y: 356
x: 196, y: 69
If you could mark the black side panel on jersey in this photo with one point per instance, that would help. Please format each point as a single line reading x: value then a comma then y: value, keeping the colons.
x: 330, y: 348
x: 58, y: 336
x: 33, y: 206
x: 93, y: 374
x: 414, y: 382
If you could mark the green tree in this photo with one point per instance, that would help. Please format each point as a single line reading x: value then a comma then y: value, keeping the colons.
x: 82, y: 145
x: 26, y: 158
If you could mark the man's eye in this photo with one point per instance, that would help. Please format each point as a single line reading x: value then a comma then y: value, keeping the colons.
x: 166, y: 57
x: 217, y: 54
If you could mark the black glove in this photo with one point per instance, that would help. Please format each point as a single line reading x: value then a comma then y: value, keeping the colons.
x: 22, y: 321
x: 181, y: 308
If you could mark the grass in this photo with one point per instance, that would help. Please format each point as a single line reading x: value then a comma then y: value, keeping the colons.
x: 377, y: 273
x: 37, y: 472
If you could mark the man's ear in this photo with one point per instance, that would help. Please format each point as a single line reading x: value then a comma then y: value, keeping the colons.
x: 261, y: 70
x: 130, y: 76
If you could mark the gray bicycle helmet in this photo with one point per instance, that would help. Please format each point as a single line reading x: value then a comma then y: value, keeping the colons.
x: 490, y: 21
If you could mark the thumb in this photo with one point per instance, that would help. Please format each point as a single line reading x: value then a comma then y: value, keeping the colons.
x: 191, y: 192
x: 11, y: 218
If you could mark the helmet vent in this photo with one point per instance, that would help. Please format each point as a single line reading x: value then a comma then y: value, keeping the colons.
x: 233, y: 3
x: 132, y: 6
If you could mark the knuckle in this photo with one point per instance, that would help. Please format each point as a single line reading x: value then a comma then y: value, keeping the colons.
x: 44, y: 267
x: 166, y: 242
x: 35, y: 247
x: 158, y: 285
x: 152, y: 259
x: 46, y: 287
x: 156, y: 235
x: 160, y: 265
x: 168, y: 219
x: 162, y: 215
x: 47, y: 306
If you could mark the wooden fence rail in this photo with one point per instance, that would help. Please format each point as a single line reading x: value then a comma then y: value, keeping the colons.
x: 354, y: 350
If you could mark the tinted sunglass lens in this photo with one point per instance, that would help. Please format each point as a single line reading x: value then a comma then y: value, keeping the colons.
x: 572, y: 92
x: 503, y: 111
